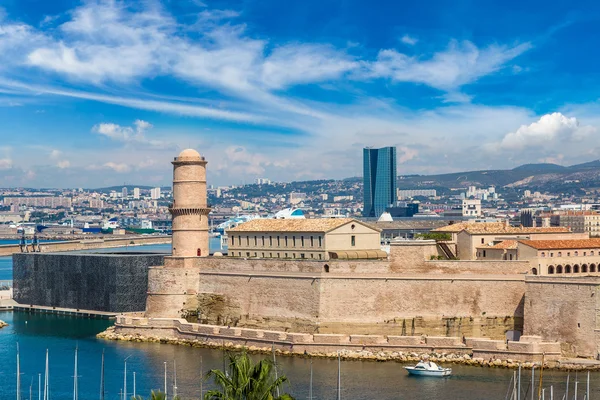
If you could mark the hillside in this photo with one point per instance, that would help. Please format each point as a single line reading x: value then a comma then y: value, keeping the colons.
x: 550, y: 177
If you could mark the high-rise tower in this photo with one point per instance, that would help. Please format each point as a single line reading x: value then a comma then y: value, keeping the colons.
x: 189, y: 210
x: 379, y: 180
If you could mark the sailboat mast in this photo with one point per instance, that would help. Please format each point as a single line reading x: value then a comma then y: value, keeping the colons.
x: 134, y: 385
x: 18, y: 374
x: 39, y: 386
x: 174, y: 378
x: 339, y: 380
x: 519, y: 385
x: 102, y: 377
x: 46, y: 393
x: 310, y: 393
x: 275, y: 365
x: 587, y: 389
x: 201, y: 378
x: 75, y: 387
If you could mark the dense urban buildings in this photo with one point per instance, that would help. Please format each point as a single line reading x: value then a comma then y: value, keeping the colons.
x: 379, y: 180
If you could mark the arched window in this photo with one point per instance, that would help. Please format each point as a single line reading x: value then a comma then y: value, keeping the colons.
x: 584, y: 268
x: 576, y: 268
x: 559, y: 269
x: 576, y: 253
x: 326, y: 268
x: 534, y: 271
x: 567, y: 269
x: 592, y: 267
x: 543, y: 254
x: 551, y: 270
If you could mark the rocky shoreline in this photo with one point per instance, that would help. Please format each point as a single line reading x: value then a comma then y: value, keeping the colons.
x: 362, y: 355
x: 2, y: 324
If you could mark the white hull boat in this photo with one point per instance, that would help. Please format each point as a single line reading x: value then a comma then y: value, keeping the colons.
x: 428, y: 368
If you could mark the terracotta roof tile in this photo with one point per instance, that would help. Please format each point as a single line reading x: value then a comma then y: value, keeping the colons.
x: 294, y: 225
x: 562, y: 244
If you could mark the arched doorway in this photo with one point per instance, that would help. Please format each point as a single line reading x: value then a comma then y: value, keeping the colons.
x: 559, y: 269
x: 551, y: 270
x: 584, y: 268
x: 592, y: 267
x: 534, y: 271
x: 567, y: 269
x: 576, y: 269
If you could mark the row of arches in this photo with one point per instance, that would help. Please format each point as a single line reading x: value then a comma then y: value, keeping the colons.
x: 575, y: 269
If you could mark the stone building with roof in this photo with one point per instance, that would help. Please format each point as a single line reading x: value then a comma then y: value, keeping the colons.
x: 312, y: 239
x: 467, y: 237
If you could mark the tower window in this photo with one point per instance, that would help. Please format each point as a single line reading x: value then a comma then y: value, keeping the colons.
x: 312, y: 242
x: 302, y: 241
x: 320, y: 241
x: 293, y: 241
x: 271, y: 241
x: 286, y: 242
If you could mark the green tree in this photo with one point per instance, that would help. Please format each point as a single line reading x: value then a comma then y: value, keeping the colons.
x: 245, y: 380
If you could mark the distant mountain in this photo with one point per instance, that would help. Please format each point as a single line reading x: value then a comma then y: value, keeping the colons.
x: 540, y: 168
x: 544, y: 177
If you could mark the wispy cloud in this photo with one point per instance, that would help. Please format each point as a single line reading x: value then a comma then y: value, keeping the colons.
x: 460, y: 64
x: 409, y: 40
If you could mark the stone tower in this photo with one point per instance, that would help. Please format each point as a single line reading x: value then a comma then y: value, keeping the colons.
x: 189, y: 210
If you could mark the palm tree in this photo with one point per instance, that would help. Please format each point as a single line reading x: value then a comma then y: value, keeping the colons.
x: 245, y: 380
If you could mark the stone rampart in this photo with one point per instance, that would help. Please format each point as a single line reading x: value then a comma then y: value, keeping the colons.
x: 523, y: 351
x: 89, y: 244
x: 296, y: 342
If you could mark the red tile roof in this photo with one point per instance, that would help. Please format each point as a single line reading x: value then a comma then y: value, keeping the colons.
x: 562, y: 244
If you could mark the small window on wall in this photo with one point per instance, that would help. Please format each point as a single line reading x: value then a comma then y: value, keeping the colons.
x: 352, y: 240
x: 484, y: 253
x: 321, y: 242
x: 482, y: 240
x: 302, y: 241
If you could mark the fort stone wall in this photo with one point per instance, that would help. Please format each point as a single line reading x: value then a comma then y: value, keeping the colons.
x: 564, y: 309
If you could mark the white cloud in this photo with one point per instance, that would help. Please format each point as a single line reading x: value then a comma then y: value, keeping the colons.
x: 294, y: 64
x: 63, y: 164
x: 5, y: 163
x: 461, y: 63
x: 550, y: 129
x: 409, y: 40
x: 117, y: 167
x: 135, y: 135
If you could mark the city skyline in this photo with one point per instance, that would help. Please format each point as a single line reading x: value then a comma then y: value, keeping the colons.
x: 95, y: 93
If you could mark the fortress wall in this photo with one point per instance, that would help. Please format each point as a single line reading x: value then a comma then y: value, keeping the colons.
x: 477, y: 306
x: 374, y: 304
x: 234, y: 264
x: 564, y: 310
x: 478, y: 267
x: 268, y: 302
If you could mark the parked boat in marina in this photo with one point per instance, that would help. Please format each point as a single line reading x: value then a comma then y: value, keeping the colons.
x: 428, y: 368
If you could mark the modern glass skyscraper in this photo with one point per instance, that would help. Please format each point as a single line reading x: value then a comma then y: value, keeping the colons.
x: 379, y: 180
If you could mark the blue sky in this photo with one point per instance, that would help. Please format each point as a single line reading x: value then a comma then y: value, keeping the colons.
x: 96, y: 93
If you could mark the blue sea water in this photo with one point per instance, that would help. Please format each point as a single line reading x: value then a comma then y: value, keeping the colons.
x: 360, y: 380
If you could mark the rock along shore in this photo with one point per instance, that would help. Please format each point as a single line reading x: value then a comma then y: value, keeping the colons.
x: 361, y: 355
x: 3, y: 324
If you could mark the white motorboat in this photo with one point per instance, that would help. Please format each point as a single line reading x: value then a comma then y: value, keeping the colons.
x: 428, y: 368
